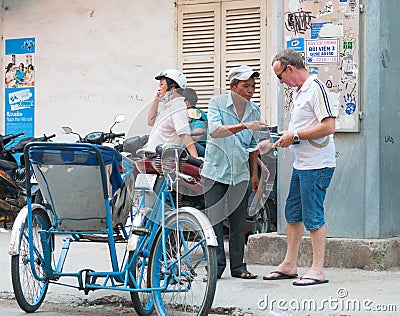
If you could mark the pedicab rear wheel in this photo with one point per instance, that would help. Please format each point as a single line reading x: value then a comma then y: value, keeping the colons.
x: 30, y: 291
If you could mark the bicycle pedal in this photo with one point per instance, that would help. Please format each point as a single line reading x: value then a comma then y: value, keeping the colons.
x: 140, y: 231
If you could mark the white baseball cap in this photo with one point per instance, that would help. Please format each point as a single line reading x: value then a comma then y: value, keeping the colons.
x: 242, y: 72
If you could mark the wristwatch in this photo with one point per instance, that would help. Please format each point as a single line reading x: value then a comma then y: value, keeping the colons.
x: 296, y: 138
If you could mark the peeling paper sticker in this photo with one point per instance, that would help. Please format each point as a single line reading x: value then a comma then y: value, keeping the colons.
x: 350, y: 16
x: 347, y: 122
x: 327, y: 9
x: 316, y: 29
x: 293, y: 5
x: 330, y: 30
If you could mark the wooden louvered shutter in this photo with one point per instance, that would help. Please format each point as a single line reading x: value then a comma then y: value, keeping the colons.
x: 243, y: 40
x: 198, y: 48
x: 214, y: 37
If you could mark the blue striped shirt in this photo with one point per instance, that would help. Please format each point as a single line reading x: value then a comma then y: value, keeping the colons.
x: 226, y: 158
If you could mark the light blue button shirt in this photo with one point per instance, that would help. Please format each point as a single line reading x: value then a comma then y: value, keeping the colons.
x: 226, y: 158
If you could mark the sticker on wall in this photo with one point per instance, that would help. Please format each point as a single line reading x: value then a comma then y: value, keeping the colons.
x: 316, y: 28
x: 349, y: 105
x: 19, y: 86
x: 313, y: 70
x: 327, y: 9
x: 353, y: 5
x: 348, y: 45
x: 324, y: 51
x: 331, y: 32
x: 297, y: 44
x: 349, y: 74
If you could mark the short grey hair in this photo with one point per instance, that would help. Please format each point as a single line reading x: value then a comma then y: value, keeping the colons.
x: 289, y: 57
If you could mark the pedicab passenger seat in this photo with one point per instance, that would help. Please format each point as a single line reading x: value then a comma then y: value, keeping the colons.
x: 77, y: 180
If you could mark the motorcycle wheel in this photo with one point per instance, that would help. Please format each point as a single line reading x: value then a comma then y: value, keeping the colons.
x: 30, y: 291
x: 262, y: 220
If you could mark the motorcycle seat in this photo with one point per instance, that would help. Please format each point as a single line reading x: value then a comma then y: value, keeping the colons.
x: 8, y: 165
x: 144, y: 153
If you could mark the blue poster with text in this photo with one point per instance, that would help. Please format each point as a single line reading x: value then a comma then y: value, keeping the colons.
x: 19, y: 91
x: 20, y: 110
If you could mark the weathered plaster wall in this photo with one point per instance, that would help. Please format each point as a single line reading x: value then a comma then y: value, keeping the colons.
x: 94, y: 59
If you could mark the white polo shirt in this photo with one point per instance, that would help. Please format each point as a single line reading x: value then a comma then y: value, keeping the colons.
x: 311, y: 104
x: 172, y: 120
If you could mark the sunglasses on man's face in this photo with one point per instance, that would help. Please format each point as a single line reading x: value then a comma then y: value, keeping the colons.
x: 280, y: 74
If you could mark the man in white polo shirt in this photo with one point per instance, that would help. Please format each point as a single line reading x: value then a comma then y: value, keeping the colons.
x: 310, y: 139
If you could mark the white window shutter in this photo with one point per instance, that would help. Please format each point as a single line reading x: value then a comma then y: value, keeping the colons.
x: 243, y: 36
x: 214, y: 37
x: 199, y: 46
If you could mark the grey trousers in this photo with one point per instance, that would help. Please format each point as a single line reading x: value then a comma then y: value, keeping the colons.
x: 223, y: 201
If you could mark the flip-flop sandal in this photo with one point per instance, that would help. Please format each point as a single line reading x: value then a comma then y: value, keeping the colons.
x: 314, y: 282
x: 246, y: 275
x: 281, y: 276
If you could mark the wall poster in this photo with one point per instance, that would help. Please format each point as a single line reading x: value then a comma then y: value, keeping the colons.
x: 19, y: 86
x: 326, y: 33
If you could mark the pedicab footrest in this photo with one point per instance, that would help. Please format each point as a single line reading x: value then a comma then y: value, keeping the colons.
x: 77, y: 180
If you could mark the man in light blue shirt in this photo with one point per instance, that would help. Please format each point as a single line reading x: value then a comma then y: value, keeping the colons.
x: 229, y: 162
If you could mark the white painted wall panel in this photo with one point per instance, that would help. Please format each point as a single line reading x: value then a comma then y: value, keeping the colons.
x: 94, y: 59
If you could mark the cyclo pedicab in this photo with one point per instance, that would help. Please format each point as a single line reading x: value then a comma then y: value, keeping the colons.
x: 169, y: 261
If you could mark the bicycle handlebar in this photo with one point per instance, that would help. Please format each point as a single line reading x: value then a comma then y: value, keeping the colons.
x: 115, y: 135
x: 9, y: 137
x: 21, y: 144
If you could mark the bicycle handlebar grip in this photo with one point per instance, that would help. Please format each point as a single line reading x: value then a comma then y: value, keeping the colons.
x: 12, y: 136
x: 19, y: 134
x: 111, y: 136
x: 49, y: 137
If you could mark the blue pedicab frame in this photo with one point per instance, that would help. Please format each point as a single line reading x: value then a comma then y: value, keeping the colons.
x: 148, y: 255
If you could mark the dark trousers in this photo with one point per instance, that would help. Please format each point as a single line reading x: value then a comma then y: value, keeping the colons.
x: 228, y: 201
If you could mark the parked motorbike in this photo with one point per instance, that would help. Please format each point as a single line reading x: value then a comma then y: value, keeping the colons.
x: 191, y: 190
x: 13, y: 175
x: 266, y: 218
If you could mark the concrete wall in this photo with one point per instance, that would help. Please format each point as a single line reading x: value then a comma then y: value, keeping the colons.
x: 389, y: 109
x: 94, y: 59
x: 363, y: 200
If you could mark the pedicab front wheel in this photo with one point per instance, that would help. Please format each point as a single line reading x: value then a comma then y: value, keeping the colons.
x: 29, y: 290
x: 184, y: 265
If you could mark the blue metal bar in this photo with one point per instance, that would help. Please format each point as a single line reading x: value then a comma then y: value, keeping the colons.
x: 63, y: 255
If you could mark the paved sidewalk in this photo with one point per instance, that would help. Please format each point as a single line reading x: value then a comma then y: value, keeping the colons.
x: 349, y: 292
